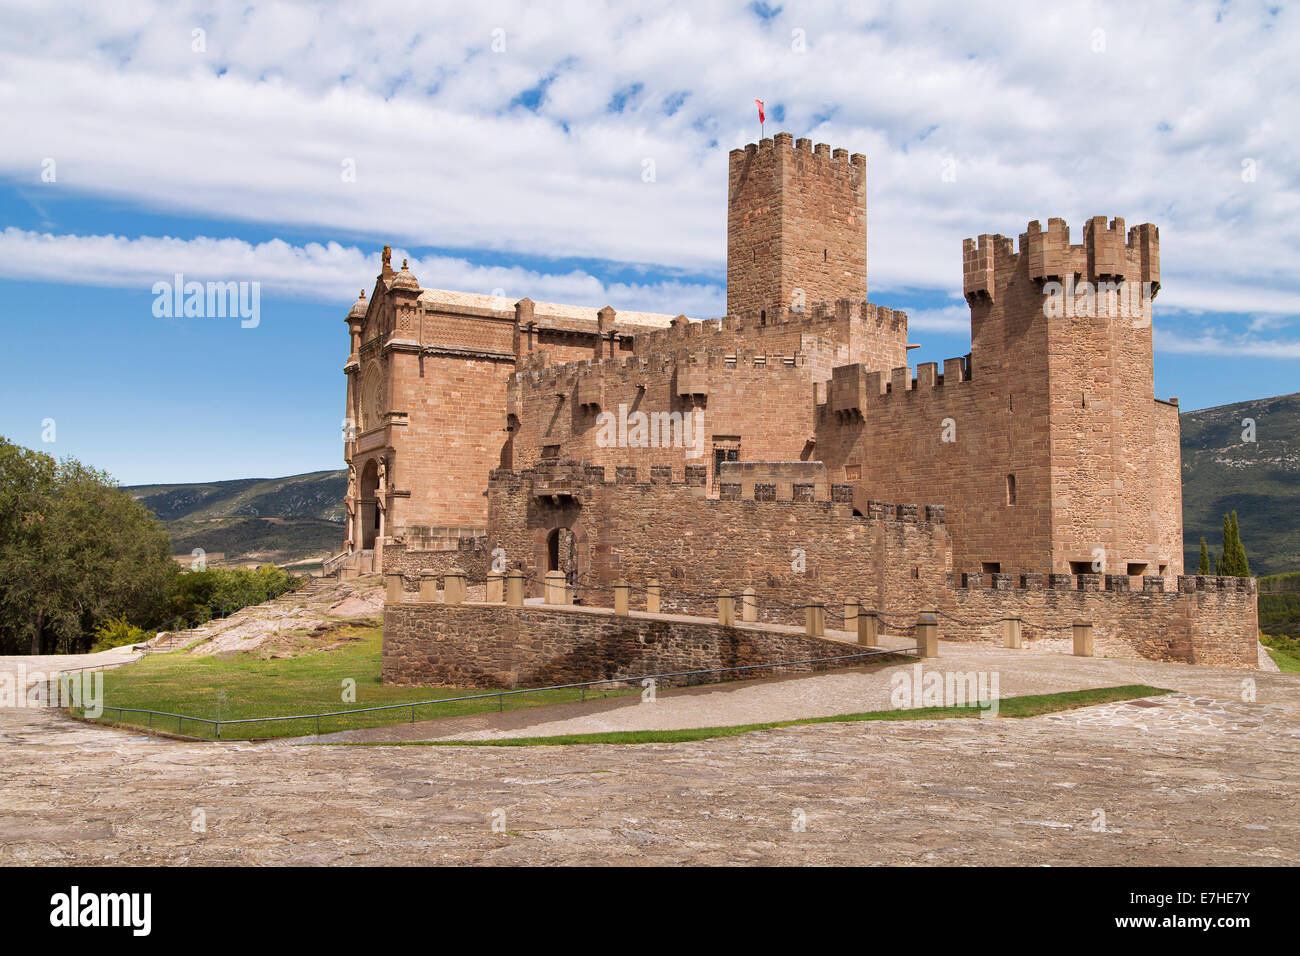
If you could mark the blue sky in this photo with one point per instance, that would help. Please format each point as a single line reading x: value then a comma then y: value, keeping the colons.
x: 581, y: 157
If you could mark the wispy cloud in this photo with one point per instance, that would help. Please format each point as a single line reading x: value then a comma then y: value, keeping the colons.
x: 322, y: 272
x: 1002, y: 116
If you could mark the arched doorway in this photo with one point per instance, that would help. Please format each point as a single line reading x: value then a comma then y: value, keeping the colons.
x: 369, y: 510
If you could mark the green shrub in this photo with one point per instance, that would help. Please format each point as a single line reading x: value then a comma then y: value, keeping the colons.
x: 117, y: 632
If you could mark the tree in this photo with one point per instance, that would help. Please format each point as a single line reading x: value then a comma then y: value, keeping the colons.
x: 1205, y: 559
x: 1241, y: 564
x: 75, y: 551
x: 1233, y: 562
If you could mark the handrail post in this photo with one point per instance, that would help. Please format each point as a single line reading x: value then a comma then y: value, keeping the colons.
x: 869, y: 627
x: 453, y: 587
x: 1083, y: 639
x: 1011, y: 633
x: 815, y: 620
x: 749, y: 605
x: 653, y: 593
x: 927, y: 634
x: 515, y: 588
x: 727, y: 610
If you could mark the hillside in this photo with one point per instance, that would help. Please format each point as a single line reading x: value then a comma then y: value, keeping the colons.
x: 293, y: 520
x: 1260, y: 480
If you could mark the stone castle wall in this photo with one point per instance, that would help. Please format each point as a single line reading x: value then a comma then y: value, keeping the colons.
x: 1205, y: 621
x: 480, y: 645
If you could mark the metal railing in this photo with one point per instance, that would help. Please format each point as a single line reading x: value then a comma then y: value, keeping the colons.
x: 217, y: 723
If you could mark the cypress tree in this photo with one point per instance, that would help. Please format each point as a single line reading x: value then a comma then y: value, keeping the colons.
x: 1226, y: 556
x: 1205, y: 559
x: 1240, y: 563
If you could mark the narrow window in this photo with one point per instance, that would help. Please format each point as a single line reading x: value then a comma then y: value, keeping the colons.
x: 762, y: 317
x: 1011, y: 489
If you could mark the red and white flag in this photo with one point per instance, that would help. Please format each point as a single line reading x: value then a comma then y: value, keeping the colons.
x: 761, y: 117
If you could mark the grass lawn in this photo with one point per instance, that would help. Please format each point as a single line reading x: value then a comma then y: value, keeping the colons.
x: 1287, y: 662
x: 245, y: 685
x: 1028, y: 706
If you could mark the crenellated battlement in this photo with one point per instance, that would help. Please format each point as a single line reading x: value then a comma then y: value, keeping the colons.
x: 1108, y: 253
x: 568, y: 478
x: 567, y: 375
x: 853, y: 388
x: 785, y: 145
x: 834, y: 321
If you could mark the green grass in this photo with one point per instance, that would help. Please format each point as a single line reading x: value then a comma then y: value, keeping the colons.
x: 1287, y: 663
x: 246, y: 685
x: 1028, y: 706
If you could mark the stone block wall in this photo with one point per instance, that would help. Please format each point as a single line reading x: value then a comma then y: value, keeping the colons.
x: 1206, y: 620
x: 801, y: 547
x: 495, y: 646
x: 471, y: 556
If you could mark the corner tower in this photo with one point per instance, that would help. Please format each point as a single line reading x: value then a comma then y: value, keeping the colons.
x: 796, y: 225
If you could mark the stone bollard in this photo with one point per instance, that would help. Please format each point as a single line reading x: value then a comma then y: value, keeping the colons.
x: 428, y: 586
x: 1011, y: 634
x: 727, y: 610
x: 496, y: 587
x: 868, y: 627
x: 453, y: 588
x: 652, y: 594
x: 515, y: 589
x: 395, y: 588
x: 927, y: 634
x: 749, y: 605
x: 557, y: 589
x: 622, y: 592
x: 851, y: 610
x: 815, y: 620
x: 1082, y: 639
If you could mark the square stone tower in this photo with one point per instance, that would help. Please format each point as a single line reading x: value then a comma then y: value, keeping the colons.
x: 796, y: 225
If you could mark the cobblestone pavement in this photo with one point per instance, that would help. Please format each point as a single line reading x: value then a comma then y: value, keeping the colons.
x: 1201, y: 777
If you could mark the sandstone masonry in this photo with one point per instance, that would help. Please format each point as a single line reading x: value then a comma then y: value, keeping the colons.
x: 488, y: 432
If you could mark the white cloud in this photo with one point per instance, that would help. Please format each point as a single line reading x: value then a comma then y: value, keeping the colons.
x: 330, y: 273
x: 1224, y: 343
x: 256, y: 128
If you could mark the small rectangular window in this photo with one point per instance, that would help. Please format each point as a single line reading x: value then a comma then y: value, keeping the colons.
x: 991, y: 567
x: 1011, y: 489
x: 550, y: 451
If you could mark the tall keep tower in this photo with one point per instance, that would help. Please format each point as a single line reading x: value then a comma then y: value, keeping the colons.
x: 796, y: 225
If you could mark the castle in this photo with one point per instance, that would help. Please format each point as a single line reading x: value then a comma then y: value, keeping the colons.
x: 771, y: 448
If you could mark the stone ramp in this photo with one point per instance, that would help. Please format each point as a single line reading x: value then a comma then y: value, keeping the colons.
x: 850, y: 690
